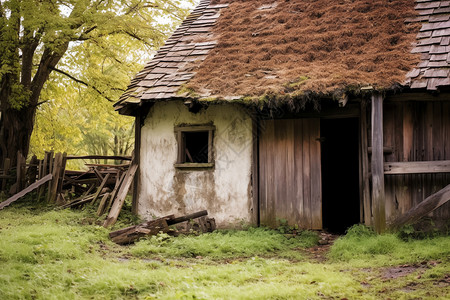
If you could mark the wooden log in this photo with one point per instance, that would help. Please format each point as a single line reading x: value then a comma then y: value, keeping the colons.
x: 378, y: 194
x: 6, y: 166
x: 26, y: 191
x: 132, y: 234
x: 144, y: 224
x: 118, y: 202
x: 422, y: 209
x: 187, y: 217
x: 100, y: 188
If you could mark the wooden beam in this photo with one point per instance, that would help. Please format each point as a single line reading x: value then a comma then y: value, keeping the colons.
x: 100, y: 188
x: 378, y: 195
x: 423, y: 208
x: 116, y: 157
x: 137, y: 159
x: 365, y: 191
x: 26, y: 191
x: 255, y: 171
x: 417, y: 167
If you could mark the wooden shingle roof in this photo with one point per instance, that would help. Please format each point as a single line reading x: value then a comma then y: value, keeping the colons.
x: 242, y: 49
x: 433, y: 44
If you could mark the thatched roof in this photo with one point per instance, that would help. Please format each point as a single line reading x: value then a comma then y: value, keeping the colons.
x: 246, y: 49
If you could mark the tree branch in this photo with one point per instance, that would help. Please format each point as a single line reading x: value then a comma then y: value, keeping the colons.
x: 83, y: 83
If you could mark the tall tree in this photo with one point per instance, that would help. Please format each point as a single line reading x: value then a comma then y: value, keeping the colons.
x: 36, y: 35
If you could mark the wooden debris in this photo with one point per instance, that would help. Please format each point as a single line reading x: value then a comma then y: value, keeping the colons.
x: 423, y: 208
x: 118, y: 202
x: 26, y: 191
x: 131, y: 234
x: 100, y: 188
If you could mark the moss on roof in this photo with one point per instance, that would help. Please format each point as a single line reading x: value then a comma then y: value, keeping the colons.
x: 296, y: 46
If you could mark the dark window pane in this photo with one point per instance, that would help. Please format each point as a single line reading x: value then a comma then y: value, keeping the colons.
x: 196, y: 150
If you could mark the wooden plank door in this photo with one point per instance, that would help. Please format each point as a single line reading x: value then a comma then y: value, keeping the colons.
x: 290, y: 186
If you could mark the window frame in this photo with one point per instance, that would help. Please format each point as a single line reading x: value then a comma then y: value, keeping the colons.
x: 181, y: 141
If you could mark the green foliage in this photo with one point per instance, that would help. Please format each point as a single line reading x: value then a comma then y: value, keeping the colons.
x: 77, y: 58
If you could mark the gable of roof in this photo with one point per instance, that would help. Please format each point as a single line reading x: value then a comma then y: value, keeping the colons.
x: 247, y: 49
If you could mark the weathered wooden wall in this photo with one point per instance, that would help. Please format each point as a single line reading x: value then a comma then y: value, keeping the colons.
x: 416, y: 131
x: 290, y: 172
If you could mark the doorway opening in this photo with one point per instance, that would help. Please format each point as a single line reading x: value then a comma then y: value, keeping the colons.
x: 340, y: 173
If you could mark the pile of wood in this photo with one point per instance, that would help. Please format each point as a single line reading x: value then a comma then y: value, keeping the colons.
x: 133, y: 233
x: 102, y: 184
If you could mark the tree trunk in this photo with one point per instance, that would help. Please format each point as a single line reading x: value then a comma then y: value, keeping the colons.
x: 16, y: 127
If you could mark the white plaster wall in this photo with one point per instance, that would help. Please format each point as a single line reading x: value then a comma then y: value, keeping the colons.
x: 225, y: 190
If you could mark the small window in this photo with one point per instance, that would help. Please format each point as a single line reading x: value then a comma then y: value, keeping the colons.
x: 194, y: 146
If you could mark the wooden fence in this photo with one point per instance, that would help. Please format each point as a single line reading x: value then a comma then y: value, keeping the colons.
x: 67, y: 188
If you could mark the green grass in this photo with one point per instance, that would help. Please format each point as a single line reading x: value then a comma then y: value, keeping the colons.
x: 362, y: 247
x: 48, y: 254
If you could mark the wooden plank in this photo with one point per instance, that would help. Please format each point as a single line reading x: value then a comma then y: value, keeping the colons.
x: 113, y: 157
x: 365, y: 165
x: 53, y: 193
x: 316, y: 174
x: 423, y: 208
x: 281, y: 185
x: 50, y: 163
x: 26, y: 191
x: 417, y: 167
x: 137, y: 159
x: 378, y: 196
x: 118, y: 202
x: 298, y: 163
x: 262, y: 145
x: 101, y: 206
x: 291, y: 191
x: 100, y: 188
x: 306, y: 173
x: 255, y: 173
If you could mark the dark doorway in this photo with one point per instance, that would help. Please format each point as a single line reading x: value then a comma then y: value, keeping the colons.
x: 340, y: 174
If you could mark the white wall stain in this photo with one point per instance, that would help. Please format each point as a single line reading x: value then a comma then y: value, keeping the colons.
x: 222, y: 190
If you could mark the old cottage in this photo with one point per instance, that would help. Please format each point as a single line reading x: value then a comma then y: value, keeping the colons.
x: 324, y: 114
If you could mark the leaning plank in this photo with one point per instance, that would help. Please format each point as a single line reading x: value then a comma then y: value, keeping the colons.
x: 101, y: 206
x: 26, y: 191
x: 423, y: 208
x: 120, y: 198
x: 100, y: 188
